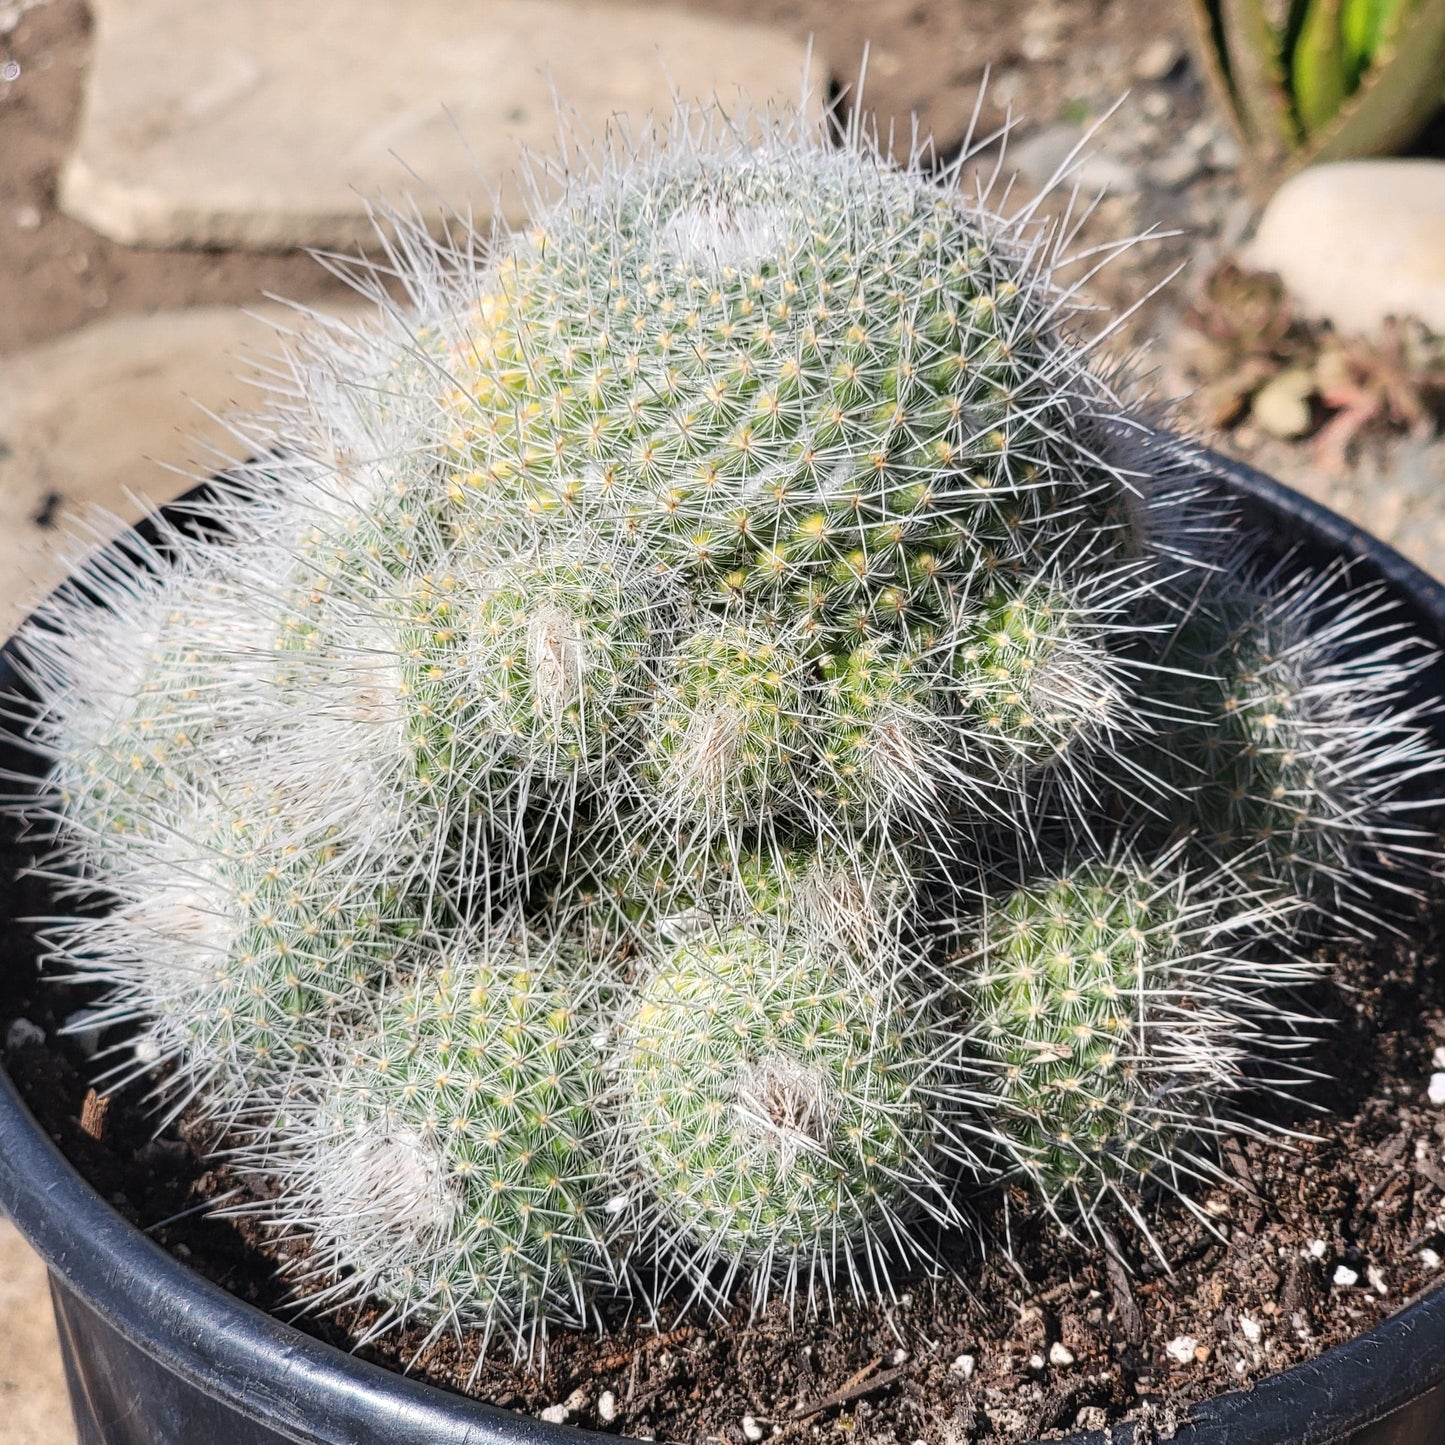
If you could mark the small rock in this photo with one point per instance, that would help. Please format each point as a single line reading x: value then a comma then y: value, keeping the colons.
x: 1091, y: 1417
x: 554, y: 1414
x: 1282, y: 405
x: 1182, y: 1348
x: 1357, y: 241
x: 1176, y: 169
x: 607, y: 1407
x: 1222, y: 153
x: 1316, y: 1249
x: 897, y: 1357
x: 1060, y: 1354
x: 1156, y: 105
x: 1158, y: 60
x: 1036, y: 1363
x: 84, y: 1028
x: 751, y: 1429
x: 577, y: 1401
x: 1436, y: 1090
x: 22, y: 1034
x: 1376, y: 1276
x: 1438, y: 1057
x: 1059, y: 155
x: 1250, y: 1329
x: 27, y: 218
x: 964, y: 1366
x: 1202, y: 1354
x: 1346, y: 1277
x: 1429, y: 1258
x: 1200, y: 135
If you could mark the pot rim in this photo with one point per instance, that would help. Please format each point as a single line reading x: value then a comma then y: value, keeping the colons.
x: 275, y: 1375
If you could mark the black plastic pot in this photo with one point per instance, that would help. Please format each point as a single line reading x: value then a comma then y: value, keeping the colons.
x: 155, y: 1355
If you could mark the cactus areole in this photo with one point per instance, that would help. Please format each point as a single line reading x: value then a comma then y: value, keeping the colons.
x: 712, y: 738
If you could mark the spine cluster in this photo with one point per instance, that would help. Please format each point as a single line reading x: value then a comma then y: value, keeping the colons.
x: 706, y: 736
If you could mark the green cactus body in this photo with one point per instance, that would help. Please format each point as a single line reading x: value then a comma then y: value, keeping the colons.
x: 1096, y: 1042
x: 567, y: 641
x: 1259, y: 788
x: 846, y: 897
x: 707, y: 576
x: 1286, y: 730
x: 723, y: 744
x: 804, y: 377
x: 1031, y: 685
x: 880, y: 757
x: 456, y: 1163
x: 243, y: 950
x: 164, y: 701
x: 779, y: 1105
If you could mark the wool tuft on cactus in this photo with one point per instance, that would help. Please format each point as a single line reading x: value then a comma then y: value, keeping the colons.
x: 703, y: 741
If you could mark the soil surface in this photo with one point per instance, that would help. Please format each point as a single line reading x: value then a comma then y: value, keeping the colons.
x: 1302, y: 1244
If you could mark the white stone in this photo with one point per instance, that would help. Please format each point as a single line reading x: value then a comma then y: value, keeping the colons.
x: 1062, y: 155
x: 554, y: 1414
x: 1378, y: 1282
x: 98, y: 415
x: 1357, y: 241
x: 267, y: 124
x: 1438, y: 1057
x: 1060, y: 1354
x: 897, y: 1357
x: 751, y: 1429
x: 1182, y: 1348
x: 1157, y: 59
x: 84, y: 1028
x: 964, y: 1366
x: 1282, y: 405
x: 1250, y: 1329
x: 607, y: 1407
x: 1175, y: 169
x: 1316, y: 1249
x: 1346, y: 1277
x: 1436, y: 1090
x: 1430, y: 1259
x: 21, y: 1034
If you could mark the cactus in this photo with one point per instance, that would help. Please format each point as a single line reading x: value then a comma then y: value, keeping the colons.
x: 238, y: 950
x: 561, y: 823
x: 1108, y: 1021
x: 783, y: 1108
x: 1289, y: 726
x: 452, y: 1160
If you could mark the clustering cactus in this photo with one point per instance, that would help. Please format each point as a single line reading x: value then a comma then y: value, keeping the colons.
x: 701, y: 740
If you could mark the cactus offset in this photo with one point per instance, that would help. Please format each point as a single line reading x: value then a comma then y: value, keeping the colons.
x: 783, y: 1105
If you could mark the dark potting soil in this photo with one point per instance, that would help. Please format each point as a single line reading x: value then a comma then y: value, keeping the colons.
x: 1023, y: 1335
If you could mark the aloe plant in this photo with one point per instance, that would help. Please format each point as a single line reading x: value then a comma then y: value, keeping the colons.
x: 1328, y: 80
